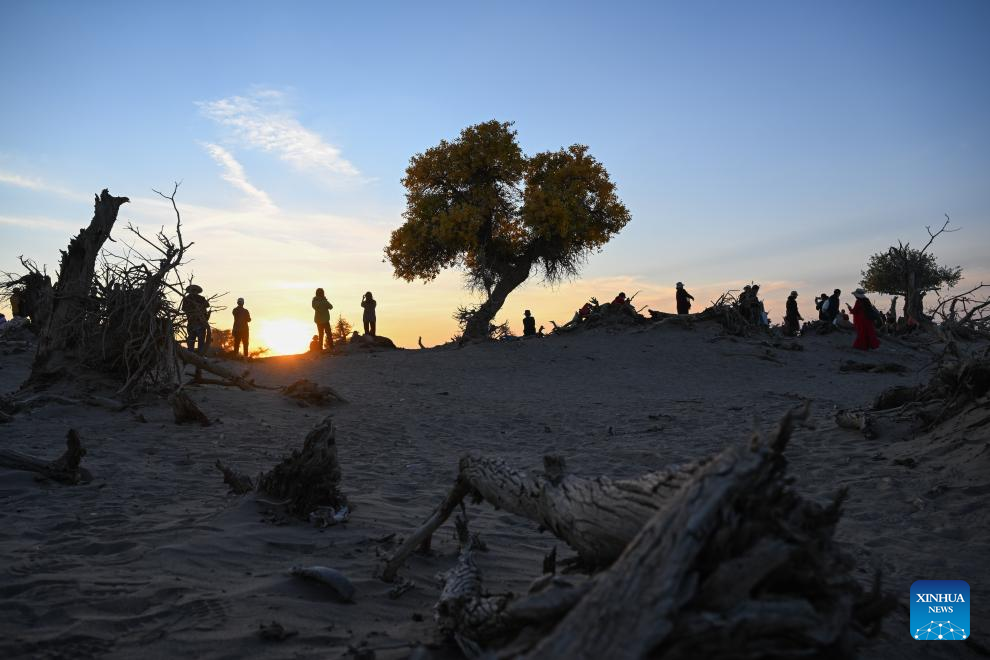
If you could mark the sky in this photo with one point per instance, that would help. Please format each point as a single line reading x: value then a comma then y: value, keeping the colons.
x: 771, y: 142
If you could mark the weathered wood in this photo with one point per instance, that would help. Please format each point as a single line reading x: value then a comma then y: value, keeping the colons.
x: 308, y: 479
x: 856, y: 420
x: 307, y: 392
x: 200, y: 362
x: 424, y: 532
x: 61, y: 335
x: 597, y: 517
x: 64, y: 469
x: 239, y: 483
x: 185, y: 409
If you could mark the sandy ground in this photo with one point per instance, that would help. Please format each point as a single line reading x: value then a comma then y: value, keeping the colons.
x: 155, y: 558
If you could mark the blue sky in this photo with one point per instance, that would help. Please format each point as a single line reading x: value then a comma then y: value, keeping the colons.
x: 780, y: 142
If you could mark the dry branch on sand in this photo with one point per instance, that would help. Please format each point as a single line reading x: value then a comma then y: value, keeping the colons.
x: 306, y: 392
x: 732, y: 562
x: 65, y: 469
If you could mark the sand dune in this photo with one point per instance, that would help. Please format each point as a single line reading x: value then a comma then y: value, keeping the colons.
x: 155, y: 558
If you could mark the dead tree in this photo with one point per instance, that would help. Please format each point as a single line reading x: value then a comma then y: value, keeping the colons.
x: 110, y: 313
x: 734, y: 564
x: 63, y: 334
x: 65, y: 469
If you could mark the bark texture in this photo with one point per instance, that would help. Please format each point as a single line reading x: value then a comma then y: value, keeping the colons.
x: 310, y: 478
x: 597, y: 517
x: 60, y: 337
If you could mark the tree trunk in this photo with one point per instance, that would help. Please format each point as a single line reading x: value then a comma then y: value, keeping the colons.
x: 61, y: 334
x: 477, y: 325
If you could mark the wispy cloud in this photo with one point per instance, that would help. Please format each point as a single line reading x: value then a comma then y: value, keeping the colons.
x: 33, y: 183
x: 233, y: 173
x: 36, y: 222
x: 262, y: 121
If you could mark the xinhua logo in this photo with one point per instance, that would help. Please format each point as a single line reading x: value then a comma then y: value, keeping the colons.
x: 940, y: 610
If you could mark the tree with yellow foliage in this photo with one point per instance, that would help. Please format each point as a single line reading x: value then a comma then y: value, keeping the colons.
x: 480, y: 204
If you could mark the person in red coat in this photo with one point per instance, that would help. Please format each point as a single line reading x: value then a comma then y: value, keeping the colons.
x: 866, y: 332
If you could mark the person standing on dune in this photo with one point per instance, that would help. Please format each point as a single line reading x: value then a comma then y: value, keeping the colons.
x: 241, y: 332
x: 863, y: 312
x: 529, y: 324
x: 792, y: 317
x: 321, y: 316
x: 369, y: 303
x: 197, y: 311
x: 683, y: 299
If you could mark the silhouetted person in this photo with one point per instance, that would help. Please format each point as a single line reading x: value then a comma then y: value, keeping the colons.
x: 866, y: 332
x: 821, y: 304
x: 757, y: 311
x: 196, y: 309
x: 369, y: 303
x: 792, y: 317
x: 834, y: 306
x: 321, y: 316
x: 529, y: 324
x: 314, y: 345
x: 683, y: 299
x: 241, y: 332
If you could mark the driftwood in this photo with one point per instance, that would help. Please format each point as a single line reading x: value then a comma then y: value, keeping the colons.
x: 308, y: 479
x: 195, y: 359
x: 307, y: 392
x: 956, y: 384
x: 186, y: 410
x: 65, y: 469
x: 597, y: 517
x: 735, y: 564
x: 856, y: 421
x: 36, y: 400
x: 239, y: 483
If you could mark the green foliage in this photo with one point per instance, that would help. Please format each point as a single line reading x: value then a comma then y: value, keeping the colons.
x: 890, y: 272
x: 479, y: 203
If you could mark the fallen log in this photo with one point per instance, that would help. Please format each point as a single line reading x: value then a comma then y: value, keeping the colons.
x: 307, y: 392
x: 195, y: 359
x: 597, y: 517
x: 735, y: 565
x: 65, y: 469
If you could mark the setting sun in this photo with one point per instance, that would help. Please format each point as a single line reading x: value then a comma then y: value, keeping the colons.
x: 282, y: 336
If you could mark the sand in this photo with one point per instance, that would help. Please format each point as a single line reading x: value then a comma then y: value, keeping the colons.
x: 155, y: 559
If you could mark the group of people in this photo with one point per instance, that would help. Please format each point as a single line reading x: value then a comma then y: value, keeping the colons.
x: 197, y: 311
x: 323, y: 339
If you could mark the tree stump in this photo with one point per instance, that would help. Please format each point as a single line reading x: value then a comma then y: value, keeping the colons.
x: 186, y: 410
x: 310, y: 478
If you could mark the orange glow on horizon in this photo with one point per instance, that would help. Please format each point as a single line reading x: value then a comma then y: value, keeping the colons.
x: 285, y: 336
